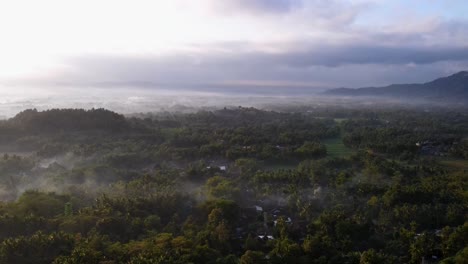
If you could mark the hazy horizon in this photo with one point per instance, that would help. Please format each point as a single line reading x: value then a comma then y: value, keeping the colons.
x: 232, y: 44
x: 152, y: 55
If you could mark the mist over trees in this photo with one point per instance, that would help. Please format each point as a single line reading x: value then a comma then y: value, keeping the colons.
x: 318, y: 184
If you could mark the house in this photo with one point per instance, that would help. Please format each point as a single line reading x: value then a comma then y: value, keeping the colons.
x: 265, y: 237
x: 221, y: 168
x: 250, y: 214
x: 275, y: 212
x: 432, y: 257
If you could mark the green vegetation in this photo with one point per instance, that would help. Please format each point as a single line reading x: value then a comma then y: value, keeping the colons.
x: 455, y: 163
x: 234, y: 186
x: 339, y: 120
x: 336, y: 148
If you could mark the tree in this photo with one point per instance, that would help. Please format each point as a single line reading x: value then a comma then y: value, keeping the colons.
x: 311, y: 150
x: 220, y: 187
x: 252, y: 257
x: 38, y: 248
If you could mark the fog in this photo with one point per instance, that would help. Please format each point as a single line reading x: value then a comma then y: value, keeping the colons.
x: 132, y: 100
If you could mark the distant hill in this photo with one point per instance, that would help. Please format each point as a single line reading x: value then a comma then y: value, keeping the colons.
x: 451, y: 88
x: 67, y: 120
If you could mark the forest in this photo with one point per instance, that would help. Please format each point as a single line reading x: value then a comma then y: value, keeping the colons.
x: 322, y: 184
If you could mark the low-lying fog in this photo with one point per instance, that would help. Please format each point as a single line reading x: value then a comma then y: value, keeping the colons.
x: 128, y: 100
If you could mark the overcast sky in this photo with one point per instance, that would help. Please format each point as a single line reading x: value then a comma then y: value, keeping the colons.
x: 231, y: 43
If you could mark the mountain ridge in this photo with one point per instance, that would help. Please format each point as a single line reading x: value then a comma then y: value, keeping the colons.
x: 451, y: 88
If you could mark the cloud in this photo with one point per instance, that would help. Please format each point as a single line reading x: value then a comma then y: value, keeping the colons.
x: 244, y: 43
x: 297, y: 65
x: 285, y: 16
x: 257, y: 6
x: 332, y: 56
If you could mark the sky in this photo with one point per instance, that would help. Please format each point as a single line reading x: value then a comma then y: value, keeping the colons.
x: 229, y: 44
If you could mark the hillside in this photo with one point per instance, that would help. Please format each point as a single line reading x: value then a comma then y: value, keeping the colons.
x: 451, y: 88
x: 56, y: 120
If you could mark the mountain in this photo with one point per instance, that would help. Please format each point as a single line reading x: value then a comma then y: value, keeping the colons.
x: 450, y: 88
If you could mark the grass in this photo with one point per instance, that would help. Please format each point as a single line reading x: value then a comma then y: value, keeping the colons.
x: 337, y: 120
x: 336, y: 148
x: 340, y: 120
x: 455, y: 163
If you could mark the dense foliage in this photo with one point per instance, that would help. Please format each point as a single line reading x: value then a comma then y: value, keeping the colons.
x: 234, y: 186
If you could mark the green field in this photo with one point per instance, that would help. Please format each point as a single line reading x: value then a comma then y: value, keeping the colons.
x: 455, y: 163
x: 340, y: 120
x: 336, y: 148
